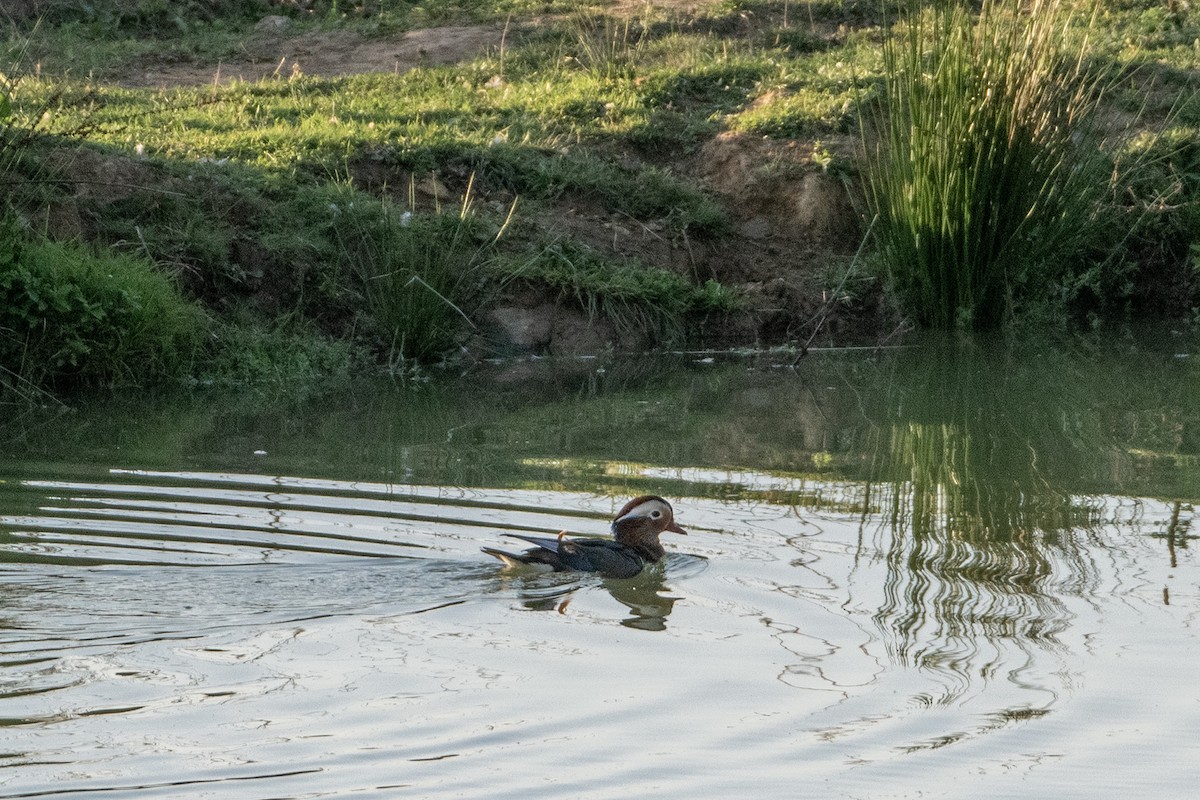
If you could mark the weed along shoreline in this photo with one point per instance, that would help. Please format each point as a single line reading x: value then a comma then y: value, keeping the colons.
x: 246, y: 192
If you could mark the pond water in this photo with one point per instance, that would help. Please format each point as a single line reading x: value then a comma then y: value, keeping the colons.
x: 938, y: 571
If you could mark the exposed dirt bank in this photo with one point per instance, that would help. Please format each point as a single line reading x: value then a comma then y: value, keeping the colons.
x: 794, y: 228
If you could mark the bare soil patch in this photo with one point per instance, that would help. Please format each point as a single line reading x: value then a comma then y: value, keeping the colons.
x: 272, y: 53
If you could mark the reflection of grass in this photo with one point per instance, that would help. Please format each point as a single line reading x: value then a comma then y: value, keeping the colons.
x: 1009, y: 440
x: 986, y: 463
x: 969, y: 448
x: 967, y: 511
x: 963, y: 483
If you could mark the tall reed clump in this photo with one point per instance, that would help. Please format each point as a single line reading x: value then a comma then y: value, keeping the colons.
x: 983, y: 170
x: 419, y: 271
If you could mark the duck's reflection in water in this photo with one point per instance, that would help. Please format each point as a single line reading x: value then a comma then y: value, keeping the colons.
x: 647, y: 597
x: 646, y: 600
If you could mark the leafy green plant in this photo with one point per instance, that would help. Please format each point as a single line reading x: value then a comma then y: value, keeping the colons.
x: 985, y: 176
x: 69, y: 315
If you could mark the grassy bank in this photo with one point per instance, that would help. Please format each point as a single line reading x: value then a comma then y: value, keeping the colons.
x: 641, y: 178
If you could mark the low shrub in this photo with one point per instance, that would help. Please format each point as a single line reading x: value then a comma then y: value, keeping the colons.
x: 69, y: 315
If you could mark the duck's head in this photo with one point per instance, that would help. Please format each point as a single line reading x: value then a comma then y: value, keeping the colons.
x: 641, y: 520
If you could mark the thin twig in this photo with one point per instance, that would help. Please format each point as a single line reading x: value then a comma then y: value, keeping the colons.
x: 827, y: 307
x: 31, y: 389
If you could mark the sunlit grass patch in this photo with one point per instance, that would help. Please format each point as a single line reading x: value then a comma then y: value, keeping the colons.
x: 535, y: 137
x: 635, y: 297
x: 811, y: 94
x: 801, y: 114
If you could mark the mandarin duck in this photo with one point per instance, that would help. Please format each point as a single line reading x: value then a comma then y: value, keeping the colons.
x: 634, y: 544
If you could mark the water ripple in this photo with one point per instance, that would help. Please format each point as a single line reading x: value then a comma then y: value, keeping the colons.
x: 212, y: 635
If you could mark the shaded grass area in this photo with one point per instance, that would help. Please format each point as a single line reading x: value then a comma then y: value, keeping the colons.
x: 635, y: 298
x: 69, y: 314
x: 421, y: 273
x: 280, y: 206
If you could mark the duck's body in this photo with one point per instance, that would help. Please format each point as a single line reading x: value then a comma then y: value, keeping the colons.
x: 605, y: 556
x: 634, y: 544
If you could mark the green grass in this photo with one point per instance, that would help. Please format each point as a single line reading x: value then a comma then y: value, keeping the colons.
x: 230, y: 188
x: 530, y: 137
x: 251, y: 171
x: 812, y: 95
x: 421, y: 272
x: 638, y: 299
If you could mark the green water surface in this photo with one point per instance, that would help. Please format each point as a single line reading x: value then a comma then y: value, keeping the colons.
x: 946, y: 568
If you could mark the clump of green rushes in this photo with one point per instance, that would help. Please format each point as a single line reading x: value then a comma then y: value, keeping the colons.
x: 418, y: 269
x: 984, y: 174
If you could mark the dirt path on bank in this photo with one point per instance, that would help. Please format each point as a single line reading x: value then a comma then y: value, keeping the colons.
x: 269, y: 51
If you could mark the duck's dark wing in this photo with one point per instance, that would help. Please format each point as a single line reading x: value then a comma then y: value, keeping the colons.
x: 537, y: 558
x: 605, y: 556
x: 548, y: 543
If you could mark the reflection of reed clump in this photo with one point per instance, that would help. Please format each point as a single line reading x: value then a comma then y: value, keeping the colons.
x: 973, y: 539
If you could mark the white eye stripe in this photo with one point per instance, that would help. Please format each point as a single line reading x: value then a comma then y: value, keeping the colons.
x: 650, y: 509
